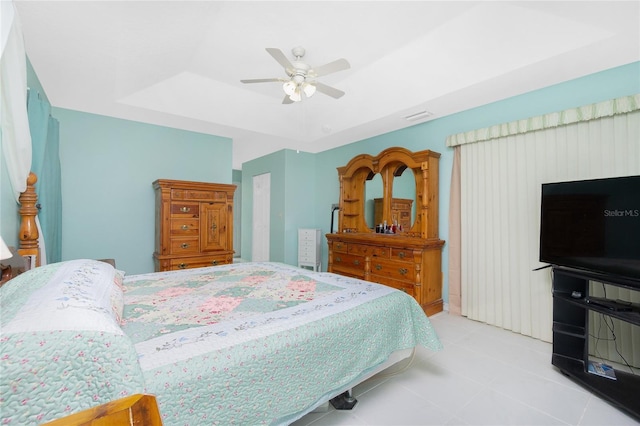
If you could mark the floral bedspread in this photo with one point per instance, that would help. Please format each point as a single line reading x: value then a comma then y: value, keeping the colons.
x: 260, y: 343
x: 158, y: 305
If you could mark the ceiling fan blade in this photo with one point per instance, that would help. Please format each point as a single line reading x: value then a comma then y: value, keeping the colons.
x: 331, y: 67
x: 328, y: 90
x: 263, y: 80
x: 287, y: 100
x: 279, y: 56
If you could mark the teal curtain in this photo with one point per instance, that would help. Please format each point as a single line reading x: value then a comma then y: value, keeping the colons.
x: 45, y: 140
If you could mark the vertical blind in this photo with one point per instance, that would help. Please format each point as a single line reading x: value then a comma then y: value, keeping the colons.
x: 501, y: 172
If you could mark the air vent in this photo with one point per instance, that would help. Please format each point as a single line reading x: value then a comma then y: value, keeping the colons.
x: 418, y: 115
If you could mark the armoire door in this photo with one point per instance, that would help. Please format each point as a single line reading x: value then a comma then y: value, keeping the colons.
x: 213, y: 229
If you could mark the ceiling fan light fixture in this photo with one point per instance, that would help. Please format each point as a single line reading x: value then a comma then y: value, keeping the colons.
x: 298, y: 72
x: 308, y: 89
x: 296, y: 96
x: 289, y: 87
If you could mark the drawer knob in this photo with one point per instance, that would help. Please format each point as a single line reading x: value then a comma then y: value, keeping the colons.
x: 356, y: 262
x: 378, y: 266
x: 338, y: 259
x: 339, y: 245
x: 183, y: 265
x: 185, y: 227
x: 213, y: 227
x: 401, y: 255
x: 214, y: 262
x: 184, y: 245
x: 185, y: 209
x: 403, y: 271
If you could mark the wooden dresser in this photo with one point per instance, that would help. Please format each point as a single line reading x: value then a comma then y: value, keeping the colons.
x: 194, y: 224
x: 410, y: 260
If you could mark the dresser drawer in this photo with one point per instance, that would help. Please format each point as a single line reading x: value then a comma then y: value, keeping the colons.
x: 402, y: 255
x: 396, y: 270
x: 365, y: 250
x: 185, y: 209
x: 186, y: 245
x: 349, y: 261
x: 404, y: 286
x: 340, y: 246
x: 199, y: 262
x: 185, y: 227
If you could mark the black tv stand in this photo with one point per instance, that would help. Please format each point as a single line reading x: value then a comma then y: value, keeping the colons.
x: 571, y: 335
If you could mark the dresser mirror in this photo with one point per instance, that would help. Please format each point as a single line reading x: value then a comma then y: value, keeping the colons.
x: 372, y: 190
x: 404, y: 188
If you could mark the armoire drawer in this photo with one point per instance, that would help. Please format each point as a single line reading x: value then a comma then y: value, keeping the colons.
x: 185, y: 227
x: 199, y: 262
x: 181, y: 246
x: 185, y: 209
x: 197, y: 195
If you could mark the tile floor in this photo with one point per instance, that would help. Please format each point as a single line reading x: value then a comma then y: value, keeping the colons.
x: 484, y: 376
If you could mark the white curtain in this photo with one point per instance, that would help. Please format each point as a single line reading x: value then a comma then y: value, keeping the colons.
x: 14, y: 120
x: 501, y: 171
x: 16, y: 139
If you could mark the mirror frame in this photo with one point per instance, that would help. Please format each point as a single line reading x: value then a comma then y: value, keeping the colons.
x: 424, y: 165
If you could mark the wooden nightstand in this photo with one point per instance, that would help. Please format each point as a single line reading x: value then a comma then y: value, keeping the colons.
x: 141, y: 410
x: 11, y: 267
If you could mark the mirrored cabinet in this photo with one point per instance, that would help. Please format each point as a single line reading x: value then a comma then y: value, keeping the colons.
x: 398, y: 188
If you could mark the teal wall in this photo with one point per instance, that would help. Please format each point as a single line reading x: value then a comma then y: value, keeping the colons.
x: 300, y: 209
x: 291, y: 205
x: 108, y: 166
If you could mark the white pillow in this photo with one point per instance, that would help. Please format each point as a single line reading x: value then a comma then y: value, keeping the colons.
x: 80, y: 295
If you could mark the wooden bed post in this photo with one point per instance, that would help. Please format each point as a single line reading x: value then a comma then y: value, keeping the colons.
x: 29, y: 248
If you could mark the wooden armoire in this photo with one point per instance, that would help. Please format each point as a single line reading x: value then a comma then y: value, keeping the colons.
x: 194, y: 224
x: 410, y: 260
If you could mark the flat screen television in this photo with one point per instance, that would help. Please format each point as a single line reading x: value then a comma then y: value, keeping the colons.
x: 593, y: 225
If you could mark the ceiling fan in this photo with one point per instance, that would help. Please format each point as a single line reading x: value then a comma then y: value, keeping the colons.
x: 301, y: 76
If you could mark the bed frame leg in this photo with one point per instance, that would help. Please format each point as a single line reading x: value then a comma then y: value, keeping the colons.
x: 344, y: 401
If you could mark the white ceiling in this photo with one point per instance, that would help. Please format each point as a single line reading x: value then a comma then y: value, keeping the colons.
x: 179, y: 63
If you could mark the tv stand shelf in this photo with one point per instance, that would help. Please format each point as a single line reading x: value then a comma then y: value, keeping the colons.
x: 571, y: 335
x: 622, y: 311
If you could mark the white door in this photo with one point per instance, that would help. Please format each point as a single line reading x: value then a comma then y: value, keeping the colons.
x: 261, y: 217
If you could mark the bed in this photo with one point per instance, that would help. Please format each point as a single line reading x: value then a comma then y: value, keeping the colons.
x: 247, y: 343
